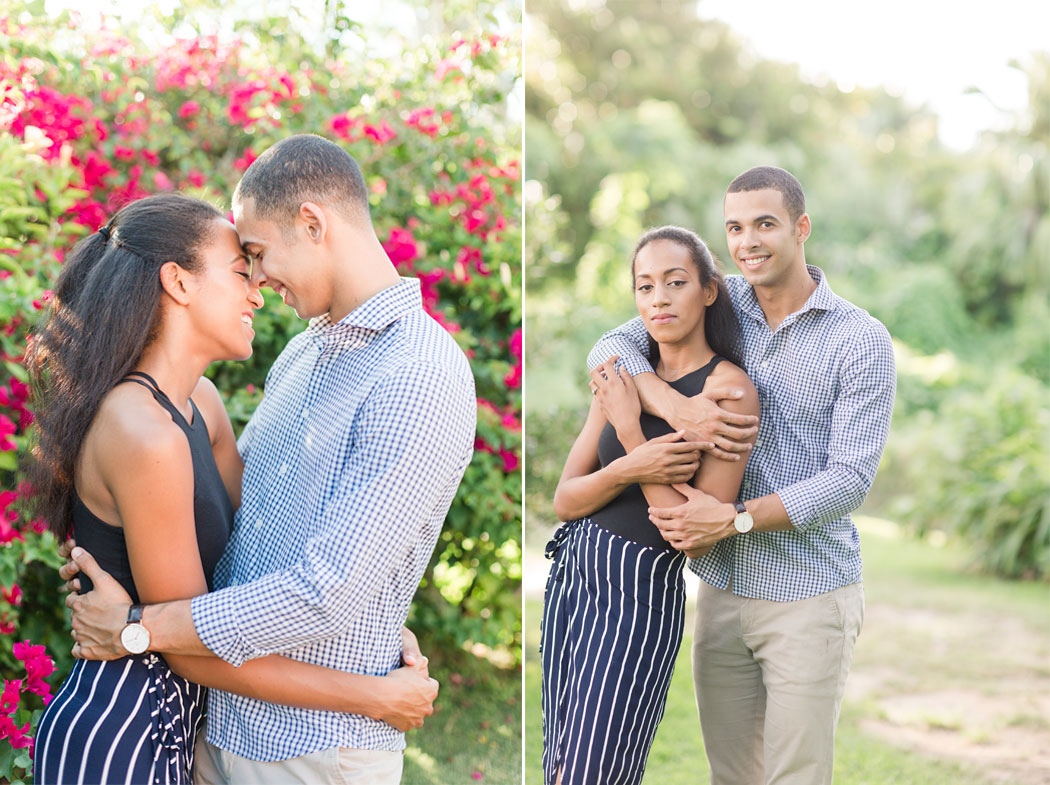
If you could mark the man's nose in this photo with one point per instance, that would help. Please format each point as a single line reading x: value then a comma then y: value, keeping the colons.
x: 258, y: 276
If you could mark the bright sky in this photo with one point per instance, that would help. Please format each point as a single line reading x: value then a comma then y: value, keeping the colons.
x: 927, y: 50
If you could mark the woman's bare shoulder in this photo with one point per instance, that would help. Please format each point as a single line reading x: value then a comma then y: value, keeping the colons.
x: 727, y: 374
x: 130, y: 423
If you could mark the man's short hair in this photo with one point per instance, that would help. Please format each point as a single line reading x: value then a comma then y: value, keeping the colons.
x: 304, y: 168
x: 759, y: 178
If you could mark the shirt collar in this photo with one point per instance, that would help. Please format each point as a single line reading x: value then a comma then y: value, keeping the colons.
x: 822, y: 298
x: 376, y: 313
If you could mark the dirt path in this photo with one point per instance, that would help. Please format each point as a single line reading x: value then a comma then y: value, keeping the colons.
x: 962, y: 686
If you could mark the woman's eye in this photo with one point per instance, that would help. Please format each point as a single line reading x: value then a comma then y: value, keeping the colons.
x: 676, y: 283
x: 645, y: 287
x: 246, y: 276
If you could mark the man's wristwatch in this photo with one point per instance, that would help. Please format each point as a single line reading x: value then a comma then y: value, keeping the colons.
x: 134, y: 637
x: 743, y: 522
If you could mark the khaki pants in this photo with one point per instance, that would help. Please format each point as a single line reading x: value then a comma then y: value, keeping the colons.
x: 335, y: 766
x: 769, y: 679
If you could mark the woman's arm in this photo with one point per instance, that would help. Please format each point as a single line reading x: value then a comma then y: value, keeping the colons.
x: 585, y: 486
x: 719, y: 477
x: 223, y: 443
x: 155, y: 506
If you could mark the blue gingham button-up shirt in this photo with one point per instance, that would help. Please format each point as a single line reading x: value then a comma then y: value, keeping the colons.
x: 351, y: 463
x: 826, y: 380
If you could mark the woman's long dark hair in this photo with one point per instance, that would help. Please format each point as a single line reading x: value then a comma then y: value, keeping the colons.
x: 105, y: 311
x: 720, y: 323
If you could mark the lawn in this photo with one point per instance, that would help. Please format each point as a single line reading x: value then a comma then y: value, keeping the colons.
x: 950, y: 682
x: 474, y: 735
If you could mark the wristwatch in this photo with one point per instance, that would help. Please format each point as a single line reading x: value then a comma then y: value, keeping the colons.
x: 743, y: 522
x: 134, y: 637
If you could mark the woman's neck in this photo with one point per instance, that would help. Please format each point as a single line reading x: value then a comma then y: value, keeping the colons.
x: 176, y: 373
x: 682, y: 357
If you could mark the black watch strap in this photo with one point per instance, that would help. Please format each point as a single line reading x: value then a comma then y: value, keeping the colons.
x: 135, y: 614
x: 739, y: 507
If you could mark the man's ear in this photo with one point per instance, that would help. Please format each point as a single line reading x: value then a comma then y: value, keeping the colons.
x: 174, y: 279
x: 314, y: 220
x: 802, y: 227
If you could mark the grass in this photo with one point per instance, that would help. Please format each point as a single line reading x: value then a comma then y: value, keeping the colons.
x: 474, y: 734
x: 943, y: 649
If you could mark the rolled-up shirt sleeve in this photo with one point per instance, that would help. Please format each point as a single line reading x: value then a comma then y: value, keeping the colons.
x: 410, y: 445
x: 860, y: 424
x: 629, y: 341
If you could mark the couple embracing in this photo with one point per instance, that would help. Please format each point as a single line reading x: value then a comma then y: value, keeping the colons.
x: 786, y: 390
x: 277, y: 569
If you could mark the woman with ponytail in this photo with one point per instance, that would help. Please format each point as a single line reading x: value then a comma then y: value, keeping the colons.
x: 136, y: 458
x: 615, y: 599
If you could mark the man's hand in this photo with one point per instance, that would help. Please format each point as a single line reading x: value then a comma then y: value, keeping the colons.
x: 408, y: 697
x: 616, y: 394
x: 704, y: 420
x: 662, y: 460
x: 68, y: 571
x: 697, y: 523
x: 411, y: 656
x: 100, y: 615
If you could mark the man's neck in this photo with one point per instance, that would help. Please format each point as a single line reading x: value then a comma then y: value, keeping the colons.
x: 786, y: 297
x: 363, y: 271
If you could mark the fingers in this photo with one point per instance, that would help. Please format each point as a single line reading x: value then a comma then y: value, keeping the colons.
x: 688, y: 491
x: 65, y: 547
x: 87, y: 564
x: 627, y: 379
x: 667, y: 438
x: 715, y: 452
x: 732, y: 433
x: 68, y: 570
x: 71, y: 586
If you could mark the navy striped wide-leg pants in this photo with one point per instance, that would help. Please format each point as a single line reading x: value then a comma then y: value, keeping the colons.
x: 612, y: 624
x: 126, y: 721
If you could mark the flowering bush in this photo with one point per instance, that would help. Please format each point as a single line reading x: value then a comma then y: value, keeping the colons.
x: 91, y: 121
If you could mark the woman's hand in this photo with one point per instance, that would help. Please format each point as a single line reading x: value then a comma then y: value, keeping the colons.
x: 616, y: 394
x: 408, y: 697
x: 662, y: 461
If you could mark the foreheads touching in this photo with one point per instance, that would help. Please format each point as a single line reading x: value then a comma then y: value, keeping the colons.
x: 303, y: 169
x: 760, y: 178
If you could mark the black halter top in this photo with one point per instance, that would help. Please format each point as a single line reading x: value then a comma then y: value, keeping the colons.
x: 628, y: 514
x: 212, y: 510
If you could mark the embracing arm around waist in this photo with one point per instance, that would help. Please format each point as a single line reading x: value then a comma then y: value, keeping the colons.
x: 155, y: 505
x: 411, y: 441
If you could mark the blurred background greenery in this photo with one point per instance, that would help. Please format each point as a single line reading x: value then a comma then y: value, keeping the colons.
x: 640, y: 114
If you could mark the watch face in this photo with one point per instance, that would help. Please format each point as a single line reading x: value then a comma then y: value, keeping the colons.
x: 135, y: 638
x: 743, y: 522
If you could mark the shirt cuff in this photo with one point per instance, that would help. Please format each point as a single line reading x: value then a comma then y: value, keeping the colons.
x: 635, y: 364
x: 217, y: 622
x: 797, y: 500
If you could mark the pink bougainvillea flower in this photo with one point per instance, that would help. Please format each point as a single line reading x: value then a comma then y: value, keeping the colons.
x: 245, y: 160
x: 381, y: 133
x: 12, y: 596
x: 510, y: 460
x: 189, y: 109
x: 401, y: 248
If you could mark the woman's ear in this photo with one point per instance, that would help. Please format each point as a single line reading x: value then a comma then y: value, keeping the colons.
x: 710, y: 293
x: 174, y: 279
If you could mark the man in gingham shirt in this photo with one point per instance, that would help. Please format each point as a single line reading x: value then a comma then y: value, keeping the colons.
x: 351, y: 463
x: 780, y: 603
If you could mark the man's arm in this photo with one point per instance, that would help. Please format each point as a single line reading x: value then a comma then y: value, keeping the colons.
x: 725, y: 434
x: 859, y: 426
x: 412, y: 441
